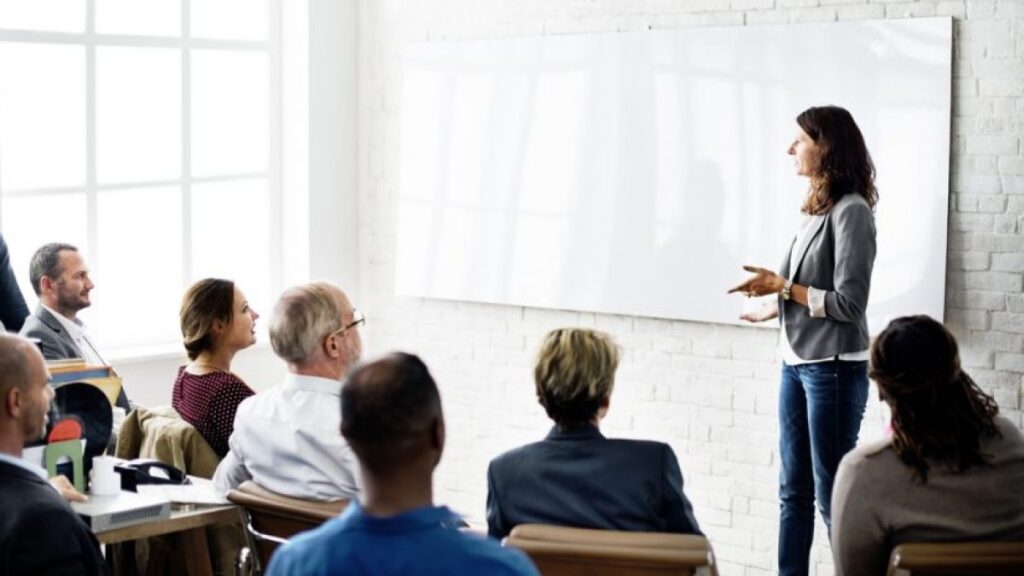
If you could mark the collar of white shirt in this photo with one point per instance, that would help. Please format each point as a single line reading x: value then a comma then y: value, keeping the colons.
x: 74, y: 327
x: 25, y: 464
x: 312, y: 384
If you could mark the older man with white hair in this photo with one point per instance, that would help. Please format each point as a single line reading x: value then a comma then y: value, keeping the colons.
x: 286, y: 439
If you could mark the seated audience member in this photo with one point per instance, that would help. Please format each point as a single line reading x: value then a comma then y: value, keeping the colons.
x: 577, y: 477
x: 39, y: 533
x: 13, y: 310
x: 952, y: 469
x: 216, y: 322
x: 60, y: 278
x: 286, y: 438
x: 391, y: 416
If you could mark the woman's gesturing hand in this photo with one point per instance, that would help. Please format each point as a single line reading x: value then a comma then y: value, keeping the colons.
x: 766, y: 312
x: 762, y: 282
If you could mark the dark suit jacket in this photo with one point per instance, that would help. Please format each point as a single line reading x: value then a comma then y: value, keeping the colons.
x: 12, y: 304
x: 56, y: 343
x: 39, y: 533
x: 581, y: 479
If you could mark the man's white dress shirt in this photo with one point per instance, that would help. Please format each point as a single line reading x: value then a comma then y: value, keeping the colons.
x: 288, y: 440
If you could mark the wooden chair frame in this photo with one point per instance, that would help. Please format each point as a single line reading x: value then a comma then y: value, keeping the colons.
x: 957, y: 558
x: 561, y: 551
x: 271, y: 519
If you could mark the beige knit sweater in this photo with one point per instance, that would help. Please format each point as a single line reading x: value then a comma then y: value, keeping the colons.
x: 876, y: 503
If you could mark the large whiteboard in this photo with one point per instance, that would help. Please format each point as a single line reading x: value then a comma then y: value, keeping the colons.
x: 634, y: 173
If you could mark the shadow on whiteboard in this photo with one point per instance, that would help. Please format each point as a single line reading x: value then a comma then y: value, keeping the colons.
x: 635, y: 173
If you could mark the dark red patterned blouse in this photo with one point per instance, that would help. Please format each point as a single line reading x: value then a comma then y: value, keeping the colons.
x: 209, y: 402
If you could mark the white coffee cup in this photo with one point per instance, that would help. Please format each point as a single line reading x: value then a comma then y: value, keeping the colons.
x: 105, y: 481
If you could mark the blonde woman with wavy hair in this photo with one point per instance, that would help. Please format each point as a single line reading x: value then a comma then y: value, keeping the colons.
x: 575, y: 476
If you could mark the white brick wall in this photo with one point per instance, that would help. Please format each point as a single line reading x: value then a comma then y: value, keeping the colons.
x: 709, y: 391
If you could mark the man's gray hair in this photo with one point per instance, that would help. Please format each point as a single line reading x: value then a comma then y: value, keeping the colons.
x: 302, y: 318
x: 46, y: 262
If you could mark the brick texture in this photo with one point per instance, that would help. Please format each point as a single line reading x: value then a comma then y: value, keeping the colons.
x: 707, y: 390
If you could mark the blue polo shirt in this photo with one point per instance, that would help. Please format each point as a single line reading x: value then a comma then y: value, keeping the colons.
x: 421, y: 542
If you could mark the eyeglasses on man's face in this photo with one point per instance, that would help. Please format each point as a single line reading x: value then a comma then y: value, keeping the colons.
x: 357, y: 319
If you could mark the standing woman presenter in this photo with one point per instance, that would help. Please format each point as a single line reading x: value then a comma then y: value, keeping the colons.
x: 823, y: 287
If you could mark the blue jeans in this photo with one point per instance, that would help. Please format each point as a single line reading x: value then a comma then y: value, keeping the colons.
x: 820, y: 409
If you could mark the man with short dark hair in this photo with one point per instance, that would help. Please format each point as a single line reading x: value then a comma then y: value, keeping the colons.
x: 391, y: 417
x: 61, y: 280
x: 39, y: 533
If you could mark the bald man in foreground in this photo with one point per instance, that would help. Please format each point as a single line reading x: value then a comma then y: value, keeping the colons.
x: 39, y: 533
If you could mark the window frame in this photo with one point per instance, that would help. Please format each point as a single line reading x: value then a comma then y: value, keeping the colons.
x: 90, y: 40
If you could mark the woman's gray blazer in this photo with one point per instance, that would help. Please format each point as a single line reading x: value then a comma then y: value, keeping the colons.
x: 837, y: 256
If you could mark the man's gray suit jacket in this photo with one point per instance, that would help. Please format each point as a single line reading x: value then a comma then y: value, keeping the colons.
x: 837, y: 255
x: 55, y: 342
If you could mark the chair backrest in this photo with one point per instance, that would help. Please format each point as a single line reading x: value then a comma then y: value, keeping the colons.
x: 272, y: 518
x: 948, y: 558
x: 561, y: 551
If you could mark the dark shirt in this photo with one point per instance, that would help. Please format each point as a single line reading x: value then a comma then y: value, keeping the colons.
x: 581, y: 479
x: 209, y: 403
x: 12, y: 304
x: 39, y: 533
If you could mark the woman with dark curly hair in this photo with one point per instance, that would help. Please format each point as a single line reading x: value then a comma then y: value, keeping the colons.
x: 952, y: 469
x: 822, y: 288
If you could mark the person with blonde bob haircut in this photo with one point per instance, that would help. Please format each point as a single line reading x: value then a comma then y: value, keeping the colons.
x: 952, y: 469
x: 575, y: 374
x: 575, y: 476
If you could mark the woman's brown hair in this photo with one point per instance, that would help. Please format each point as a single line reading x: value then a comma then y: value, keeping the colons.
x: 938, y: 412
x: 845, y: 165
x: 206, y: 302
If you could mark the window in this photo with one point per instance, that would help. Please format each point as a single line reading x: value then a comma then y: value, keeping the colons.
x: 147, y: 133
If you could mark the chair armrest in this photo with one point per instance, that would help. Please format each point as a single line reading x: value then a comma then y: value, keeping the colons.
x: 670, y: 541
x: 956, y: 557
x: 253, y: 496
